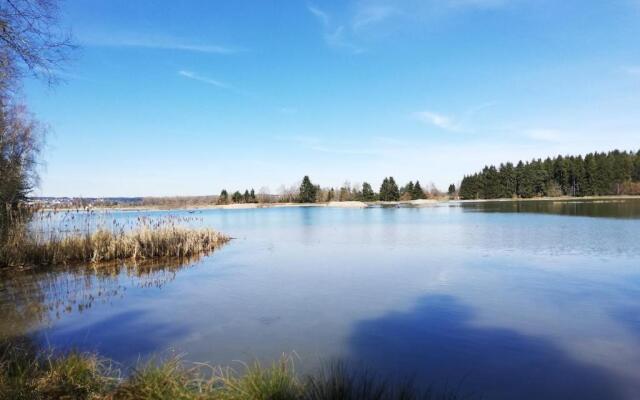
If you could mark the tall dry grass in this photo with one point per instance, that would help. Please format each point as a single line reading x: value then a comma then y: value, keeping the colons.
x: 59, y: 244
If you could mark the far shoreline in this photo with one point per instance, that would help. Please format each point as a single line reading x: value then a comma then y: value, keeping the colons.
x: 344, y: 204
x: 557, y: 198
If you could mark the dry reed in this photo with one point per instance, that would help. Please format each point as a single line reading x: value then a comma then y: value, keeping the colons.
x: 148, y: 240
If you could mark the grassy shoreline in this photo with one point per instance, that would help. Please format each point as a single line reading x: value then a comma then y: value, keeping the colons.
x: 29, y: 373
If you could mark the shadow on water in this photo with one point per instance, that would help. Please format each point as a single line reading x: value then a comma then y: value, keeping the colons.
x: 120, y: 337
x: 436, y: 343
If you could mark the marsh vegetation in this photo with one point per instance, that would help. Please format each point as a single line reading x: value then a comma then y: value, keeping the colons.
x: 26, y: 373
x: 36, y: 242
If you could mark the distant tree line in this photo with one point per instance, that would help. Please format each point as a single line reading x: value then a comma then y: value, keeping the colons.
x: 164, y: 202
x: 613, y: 173
x: 308, y: 192
x: 389, y: 191
x: 237, y: 197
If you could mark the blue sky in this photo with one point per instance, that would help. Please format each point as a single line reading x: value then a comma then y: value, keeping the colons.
x: 187, y: 98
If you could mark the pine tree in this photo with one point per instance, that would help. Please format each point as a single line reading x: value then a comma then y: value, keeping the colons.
x: 469, y: 189
x: 590, y: 176
x: 635, y: 175
x: 408, y: 188
x: 252, y: 196
x: 384, y: 189
x: 307, y: 191
x: 224, y: 197
x: 367, y: 192
x: 452, y: 190
x: 507, y: 178
x: 614, y: 172
x: 236, y: 197
x: 560, y: 174
x: 418, y: 193
x: 331, y: 194
x: 393, y: 191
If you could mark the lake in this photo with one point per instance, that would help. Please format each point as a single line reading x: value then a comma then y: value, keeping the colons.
x: 526, y: 300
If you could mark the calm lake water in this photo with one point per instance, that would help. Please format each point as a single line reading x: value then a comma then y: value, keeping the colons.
x: 507, y: 300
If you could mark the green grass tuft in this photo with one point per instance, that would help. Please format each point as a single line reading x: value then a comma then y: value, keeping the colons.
x: 27, y: 374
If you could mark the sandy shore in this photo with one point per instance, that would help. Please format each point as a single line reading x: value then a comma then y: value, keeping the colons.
x: 347, y: 204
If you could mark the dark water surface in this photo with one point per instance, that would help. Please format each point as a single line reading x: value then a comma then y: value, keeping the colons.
x: 521, y: 301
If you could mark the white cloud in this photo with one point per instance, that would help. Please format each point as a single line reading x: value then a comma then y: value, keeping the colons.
x: 372, y: 14
x: 209, y: 81
x: 438, y: 120
x: 335, y: 36
x: 375, y: 18
x: 461, y: 123
x: 158, y: 43
x: 322, y: 16
x: 337, y: 39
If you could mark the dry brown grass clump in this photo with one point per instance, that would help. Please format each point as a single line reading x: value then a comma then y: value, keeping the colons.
x: 149, y: 240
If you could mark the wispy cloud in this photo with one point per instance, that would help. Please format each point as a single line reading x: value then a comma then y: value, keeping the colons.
x: 335, y: 35
x: 203, y: 79
x: 158, y: 43
x: 461, y: 123
x: 372, y: 14
x: 322, y: 16
x: 439, y: 120
x: 337, y: 39
x: 369, y: 14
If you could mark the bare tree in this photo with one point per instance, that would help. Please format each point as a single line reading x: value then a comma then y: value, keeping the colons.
x: 32, y: 40
x: 20, y: 143
x: 264, y: 196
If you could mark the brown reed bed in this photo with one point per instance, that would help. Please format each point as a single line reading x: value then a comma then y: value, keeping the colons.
x: 50, y: 241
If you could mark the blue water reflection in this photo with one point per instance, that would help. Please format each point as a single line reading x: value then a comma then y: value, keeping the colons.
x: 514, y: 303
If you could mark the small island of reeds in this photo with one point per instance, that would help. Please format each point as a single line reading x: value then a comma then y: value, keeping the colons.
x: 34, y: 244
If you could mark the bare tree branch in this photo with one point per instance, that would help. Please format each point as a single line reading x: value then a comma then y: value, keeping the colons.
x: 31, y: 40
